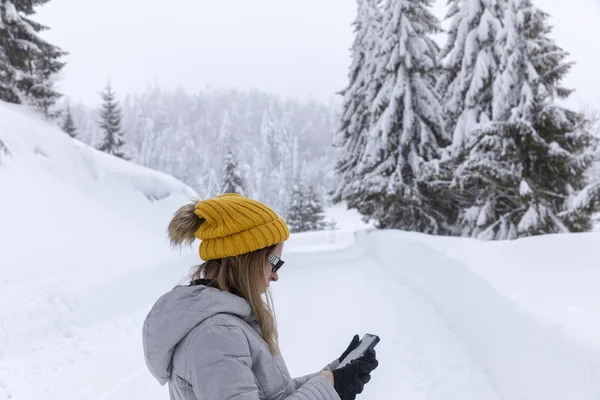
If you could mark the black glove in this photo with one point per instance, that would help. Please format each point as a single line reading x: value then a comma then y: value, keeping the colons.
x: 350, y: 380
x: 353, y: 344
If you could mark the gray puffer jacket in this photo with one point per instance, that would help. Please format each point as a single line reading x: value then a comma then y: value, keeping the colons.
x: 207, y: 345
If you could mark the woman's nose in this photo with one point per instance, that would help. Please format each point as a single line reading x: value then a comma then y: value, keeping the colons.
x: 274, y: 277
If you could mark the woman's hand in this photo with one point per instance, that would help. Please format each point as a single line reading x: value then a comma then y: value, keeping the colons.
x: 350, y: 380
x: 353, y: 344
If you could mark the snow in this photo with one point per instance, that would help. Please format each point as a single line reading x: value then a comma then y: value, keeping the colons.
x: 469, y: 49
x: 458, y: 318
x: 584, y: 197
x: 524, y: 189
x: 527, y: 308
x: 70, y: 217
x: 420, y: 356
x: 11, y: 13
x: 346, y: 220
x: 551, y: 277
x: 530, y: 219
x: 84, y: 256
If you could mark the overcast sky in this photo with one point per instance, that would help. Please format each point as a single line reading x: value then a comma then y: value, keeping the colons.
x: 289, y: 47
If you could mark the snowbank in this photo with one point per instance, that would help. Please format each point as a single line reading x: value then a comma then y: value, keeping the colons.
x: 503, y: 309
x: 346, y: 219
x: 70, y: 218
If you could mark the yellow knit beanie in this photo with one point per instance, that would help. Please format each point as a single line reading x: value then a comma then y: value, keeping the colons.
x: 235, y: 225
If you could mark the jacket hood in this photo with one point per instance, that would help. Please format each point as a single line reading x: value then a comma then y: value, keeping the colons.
x: 176, y: 313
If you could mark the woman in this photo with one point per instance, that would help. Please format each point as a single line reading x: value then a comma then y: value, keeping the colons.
x: 216, y: 338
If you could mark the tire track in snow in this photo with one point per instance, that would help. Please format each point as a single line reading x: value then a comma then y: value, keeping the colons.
x: 434, y: 362
x: 420, y: 356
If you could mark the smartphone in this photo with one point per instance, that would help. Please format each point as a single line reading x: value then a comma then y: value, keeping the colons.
x: 368, y: 341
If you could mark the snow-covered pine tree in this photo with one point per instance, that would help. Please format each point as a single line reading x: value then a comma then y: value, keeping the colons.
x: 389, y: 185
x: 225, y: 132
x: 305, y: 210
x: 43, y: 94
x: 213, y: 186
x: 274, y: 162
x: 86, y: 122
x: 355, y: 119
x: 284, y: 144
x: 68, y: 125
x: 524, y: 175
x: 110, y: 124
x: 296, y: 166
x: 593, y: 116
x: 27, y: 63
x: 470, y: 59
x: 267, y: 136
x: 228, y: 141
x: 296, y: 210
x: 146, y: 140
x: 531, y: 64
x: 231, y: 179
x: 314, y: 210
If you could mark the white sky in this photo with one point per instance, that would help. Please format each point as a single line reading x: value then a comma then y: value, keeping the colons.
x: 289, y: 47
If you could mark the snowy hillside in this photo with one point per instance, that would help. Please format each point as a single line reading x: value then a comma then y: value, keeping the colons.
x: 70, y: 218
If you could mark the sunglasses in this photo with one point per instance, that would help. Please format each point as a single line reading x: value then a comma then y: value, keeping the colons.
x: 275, y: 261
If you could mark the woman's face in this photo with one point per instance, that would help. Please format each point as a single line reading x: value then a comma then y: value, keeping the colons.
x: 270, y: 276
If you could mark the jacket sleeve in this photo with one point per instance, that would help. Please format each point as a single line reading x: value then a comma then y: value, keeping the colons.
x: 220, y: 366
x: 303, y: 379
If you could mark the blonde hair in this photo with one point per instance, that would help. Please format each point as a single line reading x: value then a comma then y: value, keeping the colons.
x: 242, y: 275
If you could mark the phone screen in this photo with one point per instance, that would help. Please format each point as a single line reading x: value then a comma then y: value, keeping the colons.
x: 367, y: 342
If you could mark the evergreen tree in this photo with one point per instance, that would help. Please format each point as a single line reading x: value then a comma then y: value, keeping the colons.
x: 525, y: 174
x: 231, y: 179
x: 314, y: 209
x: 275, y: 162
x: 296, y: 212
x: 27, y: 63
x: 390, y: 184
x: 165, y: 130
x: 267, y: 137
x: 147, y: 140
x: 68, y: 125
x: 355, y: 119
x: 225, y: 138
x: 213, y: 187
x: 110, y: 124
x: 471, y: 66
x: 305, y: 211
x: 531, y: 64
x: 296, y: 167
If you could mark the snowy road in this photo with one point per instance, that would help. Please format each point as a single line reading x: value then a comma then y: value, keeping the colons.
x: 322, y: 299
